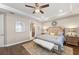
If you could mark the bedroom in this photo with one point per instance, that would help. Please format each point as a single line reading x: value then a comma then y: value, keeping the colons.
x: 64, y: 19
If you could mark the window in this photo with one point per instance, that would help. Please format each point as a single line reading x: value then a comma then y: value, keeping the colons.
x: 20, y: 26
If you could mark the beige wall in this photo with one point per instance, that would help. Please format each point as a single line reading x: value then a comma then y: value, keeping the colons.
x: 1, y: 30
x: 1, y: 23
x: 13, y: 37
x: 68, y: 22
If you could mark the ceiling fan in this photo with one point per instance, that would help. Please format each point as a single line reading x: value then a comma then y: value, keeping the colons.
x: 37, y: 8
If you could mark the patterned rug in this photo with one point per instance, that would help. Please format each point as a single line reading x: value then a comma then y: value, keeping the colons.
x: 35, y: 49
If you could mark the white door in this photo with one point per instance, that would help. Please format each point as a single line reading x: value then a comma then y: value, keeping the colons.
x: 1, y: 30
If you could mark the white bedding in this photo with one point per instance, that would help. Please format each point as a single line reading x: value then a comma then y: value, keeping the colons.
x: 53, y: 39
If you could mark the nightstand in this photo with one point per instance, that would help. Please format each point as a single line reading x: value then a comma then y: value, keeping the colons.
x: 72, y: 41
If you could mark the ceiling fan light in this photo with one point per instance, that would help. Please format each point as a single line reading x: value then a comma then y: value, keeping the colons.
x: 37, y: 10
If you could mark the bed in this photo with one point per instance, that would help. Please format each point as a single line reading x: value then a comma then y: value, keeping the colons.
x: 53, y: 39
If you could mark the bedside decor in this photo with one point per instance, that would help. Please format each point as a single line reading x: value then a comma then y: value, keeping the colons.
x: 71, y: 32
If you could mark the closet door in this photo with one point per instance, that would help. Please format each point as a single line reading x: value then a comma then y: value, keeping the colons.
x: 1, y: 30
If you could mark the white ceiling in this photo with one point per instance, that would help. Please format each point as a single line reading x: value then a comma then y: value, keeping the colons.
x: 54, y: 9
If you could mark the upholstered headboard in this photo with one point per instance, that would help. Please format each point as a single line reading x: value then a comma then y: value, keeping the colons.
x: 56, y: 30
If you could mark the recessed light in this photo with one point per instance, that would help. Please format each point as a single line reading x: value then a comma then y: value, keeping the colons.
x: 60, y: 10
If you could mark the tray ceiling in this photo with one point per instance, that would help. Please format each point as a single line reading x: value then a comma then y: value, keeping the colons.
x: 54, y: 9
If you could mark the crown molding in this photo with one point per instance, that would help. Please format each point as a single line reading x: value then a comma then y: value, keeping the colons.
x: 63, y: 16
x: 16, y: 11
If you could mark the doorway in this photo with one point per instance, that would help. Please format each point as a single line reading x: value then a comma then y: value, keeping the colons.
x: 33, y: 30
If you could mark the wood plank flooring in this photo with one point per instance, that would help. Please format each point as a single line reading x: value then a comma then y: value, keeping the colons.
x: 75, y: 49
x: 20, y: 50
x: 14, y: 50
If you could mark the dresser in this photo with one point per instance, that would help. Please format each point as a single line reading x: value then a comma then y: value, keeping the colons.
x: 72, y: 40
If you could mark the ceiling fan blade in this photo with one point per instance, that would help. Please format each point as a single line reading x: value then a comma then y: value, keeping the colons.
x: 41, y: 11
x: 29, y: 6
x: 33, y: 12
x: 44, y: 6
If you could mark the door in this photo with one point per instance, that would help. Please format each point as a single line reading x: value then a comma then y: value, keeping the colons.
x: 33, y: 29
x: 1, y: 30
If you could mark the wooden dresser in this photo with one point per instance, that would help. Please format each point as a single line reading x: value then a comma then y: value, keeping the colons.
x: 72, y: 41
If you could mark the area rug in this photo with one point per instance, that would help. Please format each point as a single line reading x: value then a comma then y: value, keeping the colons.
x: 35, y: 49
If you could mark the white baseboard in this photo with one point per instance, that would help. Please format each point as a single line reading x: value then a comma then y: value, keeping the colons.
x: 7, y: 45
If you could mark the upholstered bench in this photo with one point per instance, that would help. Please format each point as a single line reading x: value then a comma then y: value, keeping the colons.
x: 44, y: 44
x: 48, y: 45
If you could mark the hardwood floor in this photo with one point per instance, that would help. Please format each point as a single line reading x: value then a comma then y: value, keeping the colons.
x: 75, y: 49
x: 20, y: 50
x: 14, y: 50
